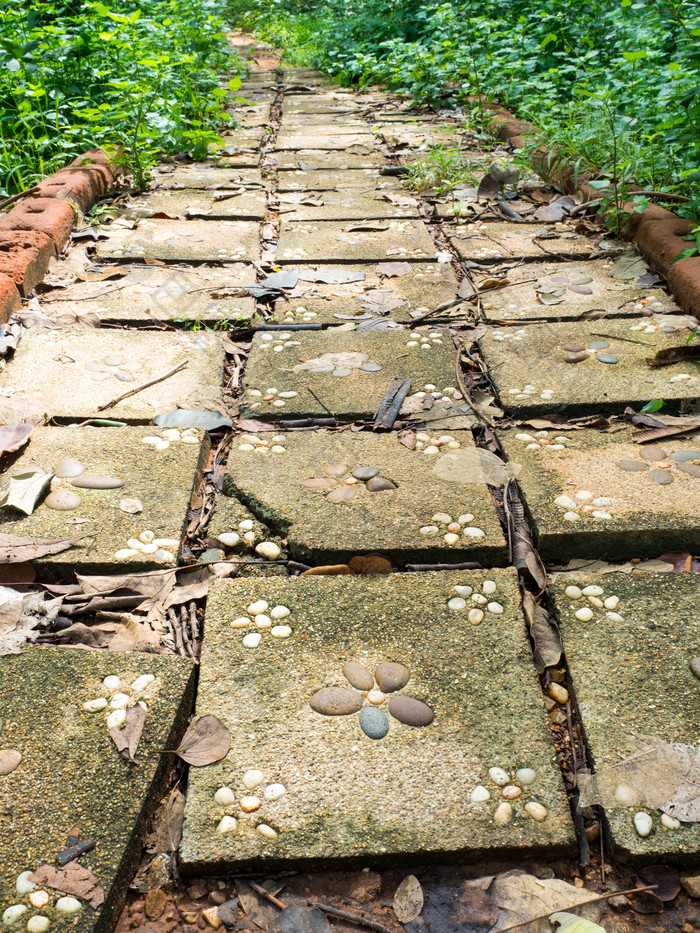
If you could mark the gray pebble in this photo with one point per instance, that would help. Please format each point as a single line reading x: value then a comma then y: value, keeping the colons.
x: 692, y: 469
x: 97, y: 482
x: 374, y: 723
x: 662, y: 477
x: 124, y: 377
x: 391, y: 676
x: 695, y: 666
x: 653, y: 453
x: 600, y: 345
x: 411, y: 712
x: 370, y: 368
x: 69, y: 466
x: 358, y: 675
x: 113, y: 360
x: 62, y: 500
x: 94, y: 367
x: 632, y: 466
x: 335, y: 701
x: 607, y: 358
x: 365, y: 472
x: 378, y: 483
x: 683, y: 456
x: 341, y: 372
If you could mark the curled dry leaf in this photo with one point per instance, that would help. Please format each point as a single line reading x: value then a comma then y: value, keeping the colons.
x: 73, y: 879
x: 128, y: 738
x: 25, y: 490
x: 329, y: 570
x: 14, y: 436
x: 372, y: 564
x: 206, y: 741
x: 475, y: 466
x: 408, y: 900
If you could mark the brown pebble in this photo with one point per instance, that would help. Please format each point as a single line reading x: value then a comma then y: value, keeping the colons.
x: 695, y: 666
x: 391, y: 676
x: 593, y: 832
x: 576, y: 357
x: 217, y: 897
x: 336, y: 469
x: 358, y: 675
x: 380, y: 483
x: 136, y: 920
x: 632, y: 466
x: 335, y: 701
x: 653, y: 453
x: 558, y: 693
x: 342, y: 494
x: 574, y: 348
x: 154, y: 904
x: 211, y: 915
x: 692, y: 469
x: 411, y: 712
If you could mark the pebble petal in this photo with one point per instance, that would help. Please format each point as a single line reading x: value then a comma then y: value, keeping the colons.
x: 257, y: 607
x: 227, y: 824
x: 268, y: 549
x: 695, y: 666
x: 632, y: 466
x: 526, y: 776
x: 62, y: 500
x: 358, y: 675
x: 499, y: 776
x: 229, y: 538
x: 116, y: 719
x: 584, y: 614
x: 281, y: 631
x: 626, y: 796
x: 457, y: 603
x: 496, y: 608
x: 68, y: 905
x: 251, y: 640
x: 253, y: 778
x: 224, y: 797
x: 536, y: 810
x: 373, y: 723
x: 13, y: 913
x: 97, y: 482
x: 592, y: 590
x: 668, y: 822
x: 250, y: 804
x: 267, y: 831
x: 643, y: 823
x: 69, y: 467
x: 38, y: 924
x: 24, y: 885
x: 565, y: 502
x: 479, y: 794
x: 391, y: 676
x: 662, y: 477
x: 365, y: 473
x: 488, y: 587
x: 411, y: 712
x: 503, y: 814
x: 94, y: 706
x: 475, y: 616
x: 380, y: 484
x: 274, y: 791
x: 573, y: 592
x: 111, y: 682
x: 335, y: 701
x: 279, y: 612
x: 463, y: 590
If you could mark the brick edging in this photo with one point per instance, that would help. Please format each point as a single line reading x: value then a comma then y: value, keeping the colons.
x: 38, y: 227
x: 657, y: 232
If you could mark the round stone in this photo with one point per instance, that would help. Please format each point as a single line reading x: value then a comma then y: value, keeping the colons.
x: 373, y: 722
x: 267, y: 831
x: 224, y: 797
x: 227, y: 824
x: 451, y: 538
x: 251, y: 640
x: 476, y: 616
x: 411, y: 712
x: 335, y: 701
x: 69, y: 467
x: 10, y: 759
x: 593, y: 590
x: 662, y: 477
x: 653, y: 453
x: 250, y: 804
x: 24, y: 885
x: 573, y: 592
x: 564, y: 502
x: 503, y: 814
x: 68, y: 905
x: 643, y: 823
x: 632, y: 466
x: 268, y: 549
x: 365, y: 473
x: 479, y: 794
x: 668, y: 822
x: 391, y: 676
x: 336, y: 469
x: 499, y: 776
x: 97, y: 482
x: 695, y: 666
x: 281, y: 631
x: 274, y: 792
x: 116, y: 719
x: 462, y: 590
x: 38, y: 924
x: 62, y: 500
x: 607, y: 358
x: 13, y: 913
x: 526, y: 776
x: 241, y: 622
x: 370, y: 368
x: 626, y: 796
x: 684, y: 456
x: 279, y: 612
x: 258, y: 607
x: 253, y: 778
x: 611, y: 602
x: 578, y: 357
x: 111, y: 682
x: 114, y: 360
x: 488, y: 587
x: 457, y: 603
x: 429, y: 530
x: 379, y: 484
x: 511, y: 792
x: 599, y: 345
x: 584, y: 614
x: 496, y: 608
x: 692, y: 469
x: 536, y: 811
x: 358, y: 675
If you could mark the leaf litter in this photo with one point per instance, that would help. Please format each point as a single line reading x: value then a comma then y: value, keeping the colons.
x: 206, y: 741
x: 475, y: 466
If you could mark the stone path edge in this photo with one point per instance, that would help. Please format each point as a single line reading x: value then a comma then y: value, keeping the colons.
x: 36, y: 229
x: 657, y: 232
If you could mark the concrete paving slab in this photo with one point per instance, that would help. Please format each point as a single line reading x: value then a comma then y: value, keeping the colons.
x: 496, y: 241
x: 71, y: 775
x: 287, y: 139
x: 529, y: 368
x: 201, y: 204
x: 321, y: 530
x: 321, y: 124
x: 161, y: 480
x: 352, y: 393
x: 360, y: 156
x: 243, y: 138
x: 232, y: 518
x: 419, y: 135
x: 552, y: 290
x: 348, y: 205
x: 328, y: 241
x: 207, y: 175
x: 144, y: 294
x: 320, y: 103
x: 612, y: 512
x: 364, y: 179
x: 631, y: 675
x: 419, y: 288
x: 184, y: 241
x: 63, y: 374
x: 344, y: 796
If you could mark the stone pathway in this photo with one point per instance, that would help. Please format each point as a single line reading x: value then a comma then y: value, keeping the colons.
x: 372, y: 718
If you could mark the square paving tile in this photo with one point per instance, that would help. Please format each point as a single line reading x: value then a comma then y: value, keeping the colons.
x: 419, y: 135
x: 299, y: 124
x: 345, y: 797
x: 319, y: 103
x: 290, y: 140
x: 323, y: 530
x: 631, y: 676
x: 335, y: 376
x: 354, y: 157
x: 185, y: 241
x: 347, y: 205
x: 529, y: 368
x: 643, y: 509
x: 496, y: 241
x: 420, y: 287
x: 63, y: 374
x: 244, y: 204
x: 206, y: 175
x: 72, y: 776
x: 555, y: 291
x: 161, y: 480
x: 366, y: 179
x: 329, y: 241
x: 144, y: 294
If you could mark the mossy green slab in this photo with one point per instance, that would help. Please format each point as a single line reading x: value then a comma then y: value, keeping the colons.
x: 498, y: 241
x: 290, y: 140
x: 72, y: 776
x: 625, y: 514
x: 360, y: 155
x: 162, y: 481
x: 205, y: 175
x: 200, y: 204
x: 62, y: 374
x: 357, y: 394
x: 144, y: 294
x: 185, y: 241
x: 424, y: 287
x: 328, y: 241
x: 347, y: 205
x: 601, y: 293
x: 633, y: 677
x: 271, y: 483
x: 348, y: 798
x: 367, y: 180
x: 535, y: 355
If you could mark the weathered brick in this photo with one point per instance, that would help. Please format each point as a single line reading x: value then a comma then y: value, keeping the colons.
x: 25, y: 257
x: 9, y: 298
x: 52, y: 216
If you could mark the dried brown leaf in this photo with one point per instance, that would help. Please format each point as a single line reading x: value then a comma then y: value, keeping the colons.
x: 408, y: 900
x: 73, y: 879
x: 475, y: 466
x: 14, y: 436
x: 128, y: 738
x: 206, y: 741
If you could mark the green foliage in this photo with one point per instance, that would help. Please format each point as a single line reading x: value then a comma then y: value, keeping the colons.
x: 440, y: 170
x: 617, y: 81
x: 143, y: 75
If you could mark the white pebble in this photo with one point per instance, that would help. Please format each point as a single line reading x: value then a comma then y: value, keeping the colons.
x: 39, y: 899
x: 612, y: 602
x: 278, y: 449
x: 125, y: 553
x: 249, y: 536
x: 594, y: 601
x: 38, y: 924
x: 257, y: 607
x: 274, y: 791
x: 68, y: 905
x: 279, y: 612
x: 669, y: 822
x: 598, y: 513
x: 150, y: 440
x: 431, y: 449
x: 496, y: 608
x: 13, y: 913
x: 268, y: 549
x: 526, y: 776
x: 227, y: 824
x: 480, y: 794
x: 602, y: 502
x: 263, y: 621
x: 229, y: 538
x: 584, y: 495
x: 524, y: 437
x: 536, y: 811
x: 584, y: 614
x: 246, y: 525
x: 251, y: 640
x: 166, y: 542
x: 111, y: 682
x: 573, y: 592
x: 119, y: 701
x: 135, y: 544
x: 503, y: 814
x: 614, y: 616
x: 463, y: 590
x: 280, y: 631
x: 171, y: 434
x: 116, y: 719
x: 267, y: 831
x: 572, y: 516
x: 250, y: 804
x: 451, y: 538
x: 253, y: 778
x: 287, y: 394
x: 488, y: 587
x: 475, y: 616
x: 499, y: 776
x: 149, y: 548
x: 474, y: 532
x: 479, y: 599
x: 24, y: 885
x: 224, y: 797
x: 457, y: 603
x: 241, y: 622
x: 246, y: 447
x: 466, y: 518
x: 94, y: 706
x: 643, y: 823
x: 142, y: 682
x: 626, y: 796
x: 592, y: 590
x: 429, y: 530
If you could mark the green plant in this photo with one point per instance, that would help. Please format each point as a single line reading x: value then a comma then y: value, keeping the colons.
x: 694, y: 250
x: 440, y: 171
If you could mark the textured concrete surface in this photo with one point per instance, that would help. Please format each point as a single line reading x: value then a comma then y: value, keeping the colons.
x: 184, y: 241
x: 496, y: 241
x: 206, y: 175
x: 327, y: 241
x: 198, y: 203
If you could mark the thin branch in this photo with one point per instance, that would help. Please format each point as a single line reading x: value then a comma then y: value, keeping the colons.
x: 145, y: 385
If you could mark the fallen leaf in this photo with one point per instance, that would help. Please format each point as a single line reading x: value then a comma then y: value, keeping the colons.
x: 393, y: 269
x: 73, y: 879
x: 372, y: 564
x: 627, y: 267
x: 25, y: 489
x: 300, y: 918
x: 128, y: 738
x: 256, y: 908
x: 475, y: 466
x: 665, y: 878
x: 523, y: 897
x: 544, y: 633
x: 570, y: 923
x: 23, y: 616
x: 131, y: 506
x: 14, y: 436
x: 368, y: 225
x: 206, y: 741
x: 684, y: 805
x: 673, y: 355
x: 408, y: 900
x: 332, y: 276
x: 488, y: 187
x: 456, y: 907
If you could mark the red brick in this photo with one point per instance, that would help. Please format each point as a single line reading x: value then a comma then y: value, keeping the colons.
x: 9, y: 298
x: 83, y: 184
x: 52, y: 216
x: 25, y: 257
